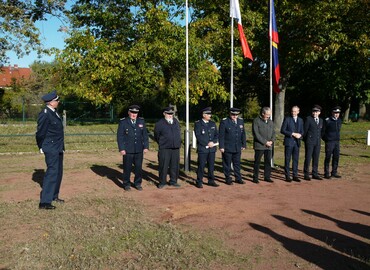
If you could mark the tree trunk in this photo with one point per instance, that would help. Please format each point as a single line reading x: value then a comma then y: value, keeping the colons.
x: 362, y: 111
x: 346, y: 113
x: 279, y: 110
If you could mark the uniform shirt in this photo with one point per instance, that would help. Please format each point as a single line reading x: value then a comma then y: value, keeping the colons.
x: 232, y: 136
x: 50, y: 131
x: 133, y: 138
x: 168, y: 136
x: 332, y: 128
x: 205, y: 133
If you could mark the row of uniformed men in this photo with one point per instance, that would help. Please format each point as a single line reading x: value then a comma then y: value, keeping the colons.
x: 133, y: 142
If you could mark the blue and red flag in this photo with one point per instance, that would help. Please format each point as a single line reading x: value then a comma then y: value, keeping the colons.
x: 274, y: 43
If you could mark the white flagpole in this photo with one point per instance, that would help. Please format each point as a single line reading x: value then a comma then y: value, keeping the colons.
x: 232, y: 60
x: 187, y: 143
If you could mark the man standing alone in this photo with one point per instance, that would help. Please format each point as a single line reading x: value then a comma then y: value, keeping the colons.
x: 292, y: 129
x: 167, y: 134
x: 332, y: 126
x: 133, y: 142
x: 50, y: 141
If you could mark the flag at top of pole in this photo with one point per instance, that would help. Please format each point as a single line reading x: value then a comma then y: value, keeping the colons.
x: 235, y: 13
x: 274, y: 37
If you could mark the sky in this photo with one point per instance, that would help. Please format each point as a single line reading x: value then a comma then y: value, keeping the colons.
x: 50, y: 37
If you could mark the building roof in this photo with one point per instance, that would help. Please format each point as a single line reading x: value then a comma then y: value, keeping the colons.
x: 9, y: 72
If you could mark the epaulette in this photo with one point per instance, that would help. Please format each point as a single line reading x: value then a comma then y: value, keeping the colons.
x: 45, y: 110
x: 224, y: 118
x: 141, y: 118
x: 123, y: 118
x: 197, y: 121
x: 327, y: 119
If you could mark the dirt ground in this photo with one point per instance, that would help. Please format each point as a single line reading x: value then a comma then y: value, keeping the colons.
x: 307, y: 225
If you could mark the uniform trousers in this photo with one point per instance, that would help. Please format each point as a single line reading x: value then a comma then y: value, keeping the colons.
x: 130, y: 159
x: 203, y: 159
x: 53, y: 177
x: 291, y: 151
x: 332, y: 149
x: 169, y: 161
x: 311, y: 152
x: 267, y: 154
x: 227, y: 158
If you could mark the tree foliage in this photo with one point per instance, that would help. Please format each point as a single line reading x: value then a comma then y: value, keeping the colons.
x: 18, y: 31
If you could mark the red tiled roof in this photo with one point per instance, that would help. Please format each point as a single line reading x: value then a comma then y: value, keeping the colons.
x: 9, y: 72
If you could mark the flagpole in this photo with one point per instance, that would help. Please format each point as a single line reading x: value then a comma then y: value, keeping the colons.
x: 232, y: 64
x: 270, y: 37
x: 187, y: 143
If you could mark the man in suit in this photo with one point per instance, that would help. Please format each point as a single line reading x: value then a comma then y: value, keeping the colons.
x: 50, y: 141
x: 263, y: 140
x: 167, y: 133
x: 312, y: 139
x: 207, y: 138
x: 332, y: 126
x: 133, y: 142
x: 232, y: 140
x: 292, y: 129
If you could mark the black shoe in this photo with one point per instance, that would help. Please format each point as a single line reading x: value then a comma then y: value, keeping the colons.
x: 58, y: 200
x: 316, y: 177
x: 46, y: 206
x: 213, y: 184
x: 127, y: 188
x: 269, y: 180
x: 139, y: 188
x: 296, y: 179
x: 327, y: 176
x: 199, y: 185
x: 229, y: 183
x: 336, y: 176
x: 240, y: 182
x: 288, y: 179
x: 307, y: 178
x: 175, y: 185
x: 160, y: 186
x: 255, y: 181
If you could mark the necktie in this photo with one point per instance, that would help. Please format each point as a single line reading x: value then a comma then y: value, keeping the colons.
x: 133, y: 122
x: 317, y: 120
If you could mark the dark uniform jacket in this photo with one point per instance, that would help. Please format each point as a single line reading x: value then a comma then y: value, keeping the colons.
x: 262, y: 133
x: 50, y: 132
x: 168, y: 136
x: 232, y: 136
x: 289, y: 127
x: 312, y: 131
x: 331, y: 129
x: 205, y: 133
x: 133, y: 138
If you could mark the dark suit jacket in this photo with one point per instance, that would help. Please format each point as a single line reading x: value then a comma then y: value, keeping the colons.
x: 289, y: 127
x: 132, y: 138
x: 232, y: 137
x: 312, y: 131
x: 50, y: 132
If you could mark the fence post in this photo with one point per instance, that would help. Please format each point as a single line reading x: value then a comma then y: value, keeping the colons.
x: 368, y: 137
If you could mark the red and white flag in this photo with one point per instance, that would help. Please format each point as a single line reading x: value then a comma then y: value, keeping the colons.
x: 235, y: 13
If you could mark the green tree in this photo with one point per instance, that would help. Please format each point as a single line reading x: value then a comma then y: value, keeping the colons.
x: 18, y: 32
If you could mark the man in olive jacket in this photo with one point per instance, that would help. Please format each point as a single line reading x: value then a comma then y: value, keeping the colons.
x: 263, y: 140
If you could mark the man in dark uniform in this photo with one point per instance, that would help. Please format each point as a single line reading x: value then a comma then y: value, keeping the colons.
x: 207, y: 138
x: 133, y: 142
x: 232, y: 140
x: 312, y: 139
x: 292, y: 129
x: 263, y: 140
x: 332, y: 126
x: 50, y: 141
x: 167, y: 134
